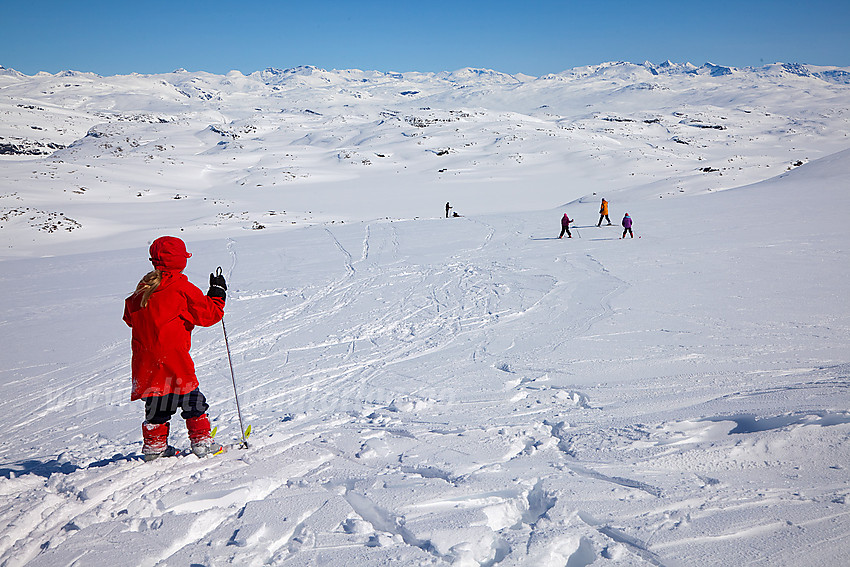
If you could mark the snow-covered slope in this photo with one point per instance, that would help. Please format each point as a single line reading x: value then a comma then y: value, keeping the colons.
x: 306, y: 145
x: 431, y: 391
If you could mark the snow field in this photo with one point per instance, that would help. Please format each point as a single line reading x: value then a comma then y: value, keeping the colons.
x: 424, y: 391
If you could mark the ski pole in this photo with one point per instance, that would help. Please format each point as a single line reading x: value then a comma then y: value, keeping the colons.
x: 233, y: 377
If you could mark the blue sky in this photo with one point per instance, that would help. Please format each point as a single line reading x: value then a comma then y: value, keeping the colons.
x: 531, y: 37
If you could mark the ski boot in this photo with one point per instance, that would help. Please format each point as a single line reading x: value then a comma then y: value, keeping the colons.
x: 203, y: 449
x: 199, y: 436
x: 156, y: 445
x: 169, y: 452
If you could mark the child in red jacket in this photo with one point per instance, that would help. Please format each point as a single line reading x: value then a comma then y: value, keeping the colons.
x: 162, y: 313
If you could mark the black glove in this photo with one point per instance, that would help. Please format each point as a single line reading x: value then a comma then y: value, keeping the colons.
x: 218, y: 287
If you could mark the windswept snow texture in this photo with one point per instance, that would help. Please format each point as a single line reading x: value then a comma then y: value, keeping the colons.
x: 428, y: 391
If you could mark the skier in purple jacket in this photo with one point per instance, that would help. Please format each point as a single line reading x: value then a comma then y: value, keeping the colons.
x: 565, y: 226
x: 627, y: 226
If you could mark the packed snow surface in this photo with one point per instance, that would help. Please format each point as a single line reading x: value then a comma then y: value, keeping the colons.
x: 422, y: 390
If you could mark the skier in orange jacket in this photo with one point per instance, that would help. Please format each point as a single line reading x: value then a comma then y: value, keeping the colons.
x: 603, y: 213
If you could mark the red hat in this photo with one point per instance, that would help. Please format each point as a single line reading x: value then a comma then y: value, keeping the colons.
x: 169, y: 253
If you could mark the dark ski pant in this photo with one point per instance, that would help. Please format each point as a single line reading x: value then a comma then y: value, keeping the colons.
x: 159, y: 409
x: 563, y: 230
x: 603, y: 217
x: 629, y: 230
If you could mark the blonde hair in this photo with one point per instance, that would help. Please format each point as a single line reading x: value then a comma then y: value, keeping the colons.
x: 148, y: 285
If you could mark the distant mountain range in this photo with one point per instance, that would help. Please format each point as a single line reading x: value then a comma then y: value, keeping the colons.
x: 273, y: 75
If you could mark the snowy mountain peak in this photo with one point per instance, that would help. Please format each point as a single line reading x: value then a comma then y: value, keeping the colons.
x: 796, y: 69
x: 470, y: 74
x: 10, y: 72
x: 71, y: 73
x: 717, y: 70
x: 303, y: 75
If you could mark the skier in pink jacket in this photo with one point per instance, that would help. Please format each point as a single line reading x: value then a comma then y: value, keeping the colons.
x: 565, y: 226
x: 627, y: 226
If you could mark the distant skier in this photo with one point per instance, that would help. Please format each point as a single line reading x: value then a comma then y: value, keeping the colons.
x: 565, y: 226
x: 162, y: 313
x: 448, y: 208
x: 627, y: 226
x: 603, y: 213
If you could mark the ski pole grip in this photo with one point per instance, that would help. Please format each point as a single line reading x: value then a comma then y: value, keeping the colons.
x: 218, y: 271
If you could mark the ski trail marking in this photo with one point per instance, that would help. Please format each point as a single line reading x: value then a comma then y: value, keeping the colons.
x: 383, y: 521
x: 348, y: 265
x: 621, y: 481
x: 634, y: 544
x: 231, y: 248
x: 367, y: 234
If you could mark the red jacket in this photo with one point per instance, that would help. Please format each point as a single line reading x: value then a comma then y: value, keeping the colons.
x: 162, y: 335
